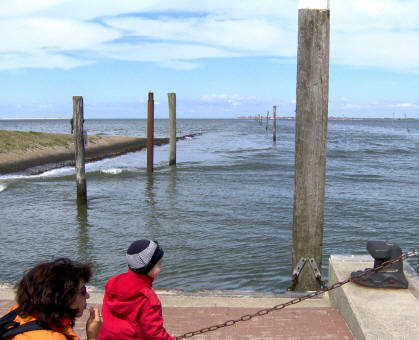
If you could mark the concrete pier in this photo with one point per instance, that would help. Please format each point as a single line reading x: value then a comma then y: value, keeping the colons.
x: 374, y: 313
x: 348, y: 312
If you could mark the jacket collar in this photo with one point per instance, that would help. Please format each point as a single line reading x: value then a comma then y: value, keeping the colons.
x: 64, y: 323
x: 141, y: 278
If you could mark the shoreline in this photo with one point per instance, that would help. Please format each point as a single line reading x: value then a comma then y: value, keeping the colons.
x: 36, y: 162
x: 238, y: 117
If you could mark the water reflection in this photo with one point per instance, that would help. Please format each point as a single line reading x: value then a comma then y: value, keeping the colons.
x: 82, y: 234
x: 152, y: 213
x: 171, y: 189
x: 149, y: 192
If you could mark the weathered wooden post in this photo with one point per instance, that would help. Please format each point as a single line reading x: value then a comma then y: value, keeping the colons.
x: 78, y: 120
x: 172, y: 127
x: 267, y: 120
x: 310, y: 137
x: 150, y: 131
x: 274, y: 124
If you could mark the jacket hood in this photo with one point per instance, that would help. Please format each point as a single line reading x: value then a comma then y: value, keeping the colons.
x: 124, y: 290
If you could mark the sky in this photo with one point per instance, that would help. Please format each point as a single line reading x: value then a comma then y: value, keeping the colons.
x: 222, y: 58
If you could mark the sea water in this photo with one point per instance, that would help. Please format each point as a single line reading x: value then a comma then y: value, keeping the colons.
x: 223, y: 214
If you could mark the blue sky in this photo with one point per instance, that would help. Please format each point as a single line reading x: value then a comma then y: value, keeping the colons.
x: 222, y: 58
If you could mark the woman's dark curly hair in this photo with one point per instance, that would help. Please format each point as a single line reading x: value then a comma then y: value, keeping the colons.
x: 50, y: 288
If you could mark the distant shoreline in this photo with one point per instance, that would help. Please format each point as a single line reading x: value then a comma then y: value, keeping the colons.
x: 240, y: 117
x: 36, y: 118
x: 330, y: 118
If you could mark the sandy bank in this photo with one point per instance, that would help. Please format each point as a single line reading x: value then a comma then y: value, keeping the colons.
x: 37, y: 161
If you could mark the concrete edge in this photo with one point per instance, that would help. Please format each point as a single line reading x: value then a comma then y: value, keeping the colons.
x: 176, y: 298
x: 412, y: 277
x: 341, y: 301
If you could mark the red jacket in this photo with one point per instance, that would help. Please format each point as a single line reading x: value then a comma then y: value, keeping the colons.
x: 131, y: 309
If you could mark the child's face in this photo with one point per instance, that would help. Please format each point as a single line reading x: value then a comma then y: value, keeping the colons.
x: 155, y: 271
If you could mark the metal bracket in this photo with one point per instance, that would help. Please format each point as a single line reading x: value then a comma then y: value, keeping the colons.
x: 416, y: 253
x: 316, y: 271
x: 297, y: 271
x: 299, y: 268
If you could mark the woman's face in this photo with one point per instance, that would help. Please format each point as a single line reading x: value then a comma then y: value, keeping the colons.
x: 81, y: 296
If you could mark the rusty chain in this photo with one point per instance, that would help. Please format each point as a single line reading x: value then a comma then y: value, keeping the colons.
x: 412, y: 253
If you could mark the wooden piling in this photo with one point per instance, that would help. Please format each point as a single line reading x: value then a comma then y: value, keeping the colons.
x: 172, y: 127
x: 150, y: 132
x: 78, y: 120
x: 310, y: 137
x: 274, y: 124
x: 267, y: 120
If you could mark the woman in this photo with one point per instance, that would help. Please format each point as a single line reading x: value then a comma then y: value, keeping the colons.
x: 54, y: 293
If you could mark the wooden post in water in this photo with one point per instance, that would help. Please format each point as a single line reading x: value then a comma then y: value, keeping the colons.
x: 310, y: 137
x: 78, y: 120
x: 267, y: 120
x: 150, y: 132
x: 172, y: 125
x: 274, y: 124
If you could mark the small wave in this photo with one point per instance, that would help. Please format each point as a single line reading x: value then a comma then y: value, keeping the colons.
x: 111, y: 171
x: 49, y: 173
x: 6, y: 285
x: 3, y: 187
x: 56, y: 172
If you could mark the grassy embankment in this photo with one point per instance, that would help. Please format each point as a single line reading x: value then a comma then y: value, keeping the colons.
x: 22, y: 142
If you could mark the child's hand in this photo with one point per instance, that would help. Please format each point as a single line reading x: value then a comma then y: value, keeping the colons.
x: 93, y: 323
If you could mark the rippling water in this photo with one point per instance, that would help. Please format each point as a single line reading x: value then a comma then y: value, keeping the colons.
x: 224, y: 213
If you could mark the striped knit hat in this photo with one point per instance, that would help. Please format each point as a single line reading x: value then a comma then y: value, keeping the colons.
x: 142, y: 255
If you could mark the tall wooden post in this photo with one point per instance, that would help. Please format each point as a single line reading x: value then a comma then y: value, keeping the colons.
x: 267, y: 120
x: 172, y: 127
x: 274, y: 124
x: 78, y: 120
x: 310, y: 137
x: 150, y: 132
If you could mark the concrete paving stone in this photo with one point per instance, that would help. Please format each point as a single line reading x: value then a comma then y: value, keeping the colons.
x: 290, y: 323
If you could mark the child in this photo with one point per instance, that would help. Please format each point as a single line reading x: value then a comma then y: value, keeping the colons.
x: 131, y: 309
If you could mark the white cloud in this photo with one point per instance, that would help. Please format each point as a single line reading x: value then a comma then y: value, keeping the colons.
x: 248, y: 35
x: 406, y: 105
x: 15, y: 8
x: 39, y: 59
x: 396, y: 50
x: 177, y: 33
x: 351, y: 106
x: 92, y: 9
x: 36, y: 33
x: 380, y: 33
x: 232, y: 99
x: 162, y: 52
